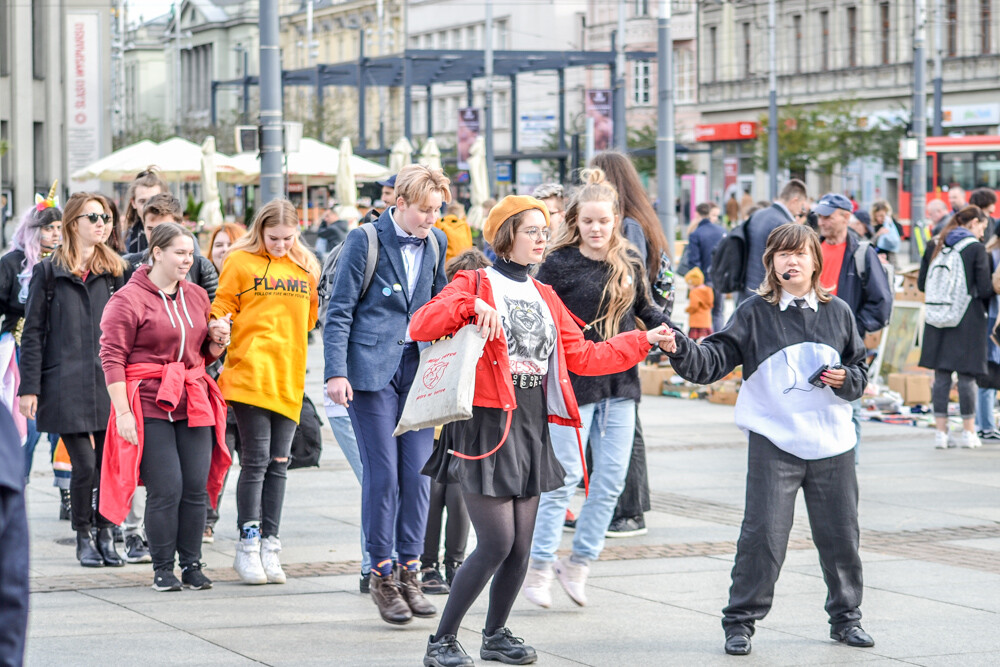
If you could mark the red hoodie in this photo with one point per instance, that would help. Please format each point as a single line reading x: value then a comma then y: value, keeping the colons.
x: 141, y: 324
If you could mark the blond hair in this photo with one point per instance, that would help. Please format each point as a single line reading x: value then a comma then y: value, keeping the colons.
x: 618, y: 296
x: 69, y: 255
x: 791, y: 237
x: 276, y: 213
x: 415, y: 182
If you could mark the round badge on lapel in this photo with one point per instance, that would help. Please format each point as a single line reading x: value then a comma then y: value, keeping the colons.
x: 386, y: 291
x: 397, y: 287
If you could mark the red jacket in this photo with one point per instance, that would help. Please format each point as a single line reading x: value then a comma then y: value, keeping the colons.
x: 204, y: 406
x: 451, y: 309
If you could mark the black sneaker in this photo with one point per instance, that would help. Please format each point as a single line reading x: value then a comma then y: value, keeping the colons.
x: 164, y: 580
x: 365, y: 585
x: 446, y: 652
x: 136, y: 550
x: 432, y: 582
x: 627, y: 527
x: 450, y: 568
x: 506, y: 648
x: 992, y: 436
x: 195, y: 579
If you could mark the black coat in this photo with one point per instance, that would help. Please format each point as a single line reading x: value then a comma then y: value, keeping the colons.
x: 963, y: 348
x: 60, y: 349
x: 10, y: 304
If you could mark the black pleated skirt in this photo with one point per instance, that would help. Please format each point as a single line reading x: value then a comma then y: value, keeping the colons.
x: 525, y: 466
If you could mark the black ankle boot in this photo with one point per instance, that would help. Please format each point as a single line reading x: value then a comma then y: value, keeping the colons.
x: 106, y: 546
x: 86, y: 551
x: 65, y: 510
x: 450, y: 567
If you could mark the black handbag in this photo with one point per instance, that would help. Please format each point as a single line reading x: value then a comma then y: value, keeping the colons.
x: 992, y: 378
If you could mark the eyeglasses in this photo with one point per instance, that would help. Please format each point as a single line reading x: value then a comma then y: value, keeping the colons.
x: 93, y: 217
x: 536, y: 233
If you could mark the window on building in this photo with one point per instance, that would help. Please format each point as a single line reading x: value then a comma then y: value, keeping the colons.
x: 501, y: 110
x: 986, y: 33
x: 885, y: 40
x: 456, y: 39
x: 797, y: 36
x: 747, y: 69
x: 952, y: 27
x: 713, y: 54
x: 5, y: 160
x: 685, y: 77
x: 640, y: 82
x: 501, y: 35
x: 852, y: 36
x: 4, y: 39
x: 415, y: 42
x: 37, y: 40
x: 41, y: 171
x: 988, y: 170
x: 824, y: 40
x: 640, y: 7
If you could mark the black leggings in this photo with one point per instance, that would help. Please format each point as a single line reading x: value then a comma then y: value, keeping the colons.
x: 456, y: 532
x: 85, y: 483
x: 504, y: 527
x: 174, y: 467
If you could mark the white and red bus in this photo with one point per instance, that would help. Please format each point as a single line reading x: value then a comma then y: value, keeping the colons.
x: 970, y: 162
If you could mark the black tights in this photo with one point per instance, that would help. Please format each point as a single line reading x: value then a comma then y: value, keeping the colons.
x: 504, y: 527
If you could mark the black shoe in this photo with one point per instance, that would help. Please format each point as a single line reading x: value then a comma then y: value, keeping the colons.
x: 506, y: 648
x: 627, y: 527
x: 119, y: 536
x: 446, y: 652
x: 65, y: 509
x: 164, y: 580
x: 106, y: 546
x: 86, y: 550
x: 136, y: 550
x: 853, y: 636
x: 365, y: 585
x: 432, y: 582
x: 569, y: 523
x: 738, y: 644
x: 192, y: 577
x: 450, y: 568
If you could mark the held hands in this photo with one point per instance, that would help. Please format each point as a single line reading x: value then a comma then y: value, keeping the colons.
x: 339, y: 390
x: 125, y: 423
x: 28, y: 405
x: 662, y: 336
x: 834, y: 377
x: 219, y: 331
x: 487, y: 320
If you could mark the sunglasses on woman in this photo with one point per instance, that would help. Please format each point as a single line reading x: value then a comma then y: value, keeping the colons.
x: 94, y: 217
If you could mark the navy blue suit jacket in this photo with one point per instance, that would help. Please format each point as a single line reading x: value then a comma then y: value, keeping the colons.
x: 363, y: 338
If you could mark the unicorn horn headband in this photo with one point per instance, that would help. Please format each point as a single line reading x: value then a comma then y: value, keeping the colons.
x: 47, y: 202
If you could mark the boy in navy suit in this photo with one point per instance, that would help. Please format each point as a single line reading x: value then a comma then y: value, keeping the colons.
x: 370, y: 365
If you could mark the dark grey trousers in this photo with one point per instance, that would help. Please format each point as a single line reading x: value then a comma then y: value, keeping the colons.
x: 831, y: 492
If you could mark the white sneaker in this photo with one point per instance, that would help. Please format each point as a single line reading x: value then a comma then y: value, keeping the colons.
x: 941, y: 440
x: 270, y: 546
x: 537, y: 586
x: 970, y: 440
x: 247, y: 562
x: 573, y: 577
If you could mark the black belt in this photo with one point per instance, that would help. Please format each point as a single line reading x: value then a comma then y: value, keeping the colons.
x: 525, y: 381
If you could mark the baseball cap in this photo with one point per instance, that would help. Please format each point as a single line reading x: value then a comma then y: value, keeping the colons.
x: 388, y: 182
x: 830, y: 202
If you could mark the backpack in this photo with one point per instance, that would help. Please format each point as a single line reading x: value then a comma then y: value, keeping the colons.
x: 861, y: 262
x: 729, y: 260
x: 946, y: 288
x: 663, y: 287
x: 325, y: 287
x: 307, y: 443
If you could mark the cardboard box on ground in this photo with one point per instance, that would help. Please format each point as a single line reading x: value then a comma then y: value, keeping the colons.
x: 915, y: 388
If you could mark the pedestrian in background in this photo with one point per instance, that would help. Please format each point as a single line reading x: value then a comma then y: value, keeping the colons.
x: 701, y: 299
x: 146, y: 185
x: 886, y: 231
x: 268, y: 291
x: 65, y: 394
x: 986, y: 400
x: 786, y: 208
x: 554, y: 197
x: 986, y: 200
x: 456, y: 228
x: 701, y: 244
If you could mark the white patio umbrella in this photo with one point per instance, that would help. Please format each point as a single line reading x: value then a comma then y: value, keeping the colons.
x: 401, y: 155
x: 315, y: 160
x: 176, y: 159
x: 211, y: 213
x: 479, y: 182
x: 430, y: 154
x: 347, y: 186
x: 118, y: 166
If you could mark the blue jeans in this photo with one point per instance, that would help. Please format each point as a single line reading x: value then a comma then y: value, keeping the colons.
x: 611, y: 447
x: 984, y: 410
x: 344, y: 433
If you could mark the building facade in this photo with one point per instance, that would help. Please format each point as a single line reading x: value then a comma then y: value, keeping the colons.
x: 145, y: 75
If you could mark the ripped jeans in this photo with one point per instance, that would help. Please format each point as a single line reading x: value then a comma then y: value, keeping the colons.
x: 265, y: 445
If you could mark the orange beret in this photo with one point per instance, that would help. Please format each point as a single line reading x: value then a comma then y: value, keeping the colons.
x: 510, y: 206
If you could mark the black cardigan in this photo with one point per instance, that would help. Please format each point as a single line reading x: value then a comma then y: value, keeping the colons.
x: 10, y: 287
x: 579, y: 282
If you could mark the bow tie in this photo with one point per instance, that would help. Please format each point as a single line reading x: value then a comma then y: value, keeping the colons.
x: 409, y: 240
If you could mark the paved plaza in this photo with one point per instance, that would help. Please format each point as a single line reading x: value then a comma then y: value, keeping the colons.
x: 930, y: 544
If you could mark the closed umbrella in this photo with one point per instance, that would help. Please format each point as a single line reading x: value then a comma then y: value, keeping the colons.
x: 479, y: 182
x: 401, y: 155
x: 211, y: 212
x: 347, y: 186
x: 430, y: 154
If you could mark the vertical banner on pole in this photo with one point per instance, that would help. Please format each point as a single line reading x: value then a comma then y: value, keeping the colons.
x: 468, y: 130
x: 83, y: 94
x: 598, y: 107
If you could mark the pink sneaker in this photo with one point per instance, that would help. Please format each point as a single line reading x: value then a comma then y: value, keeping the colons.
x: 537, y: 586
x: 573, y: 578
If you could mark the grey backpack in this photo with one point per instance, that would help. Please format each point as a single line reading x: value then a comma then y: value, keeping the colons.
x: 946, y: 290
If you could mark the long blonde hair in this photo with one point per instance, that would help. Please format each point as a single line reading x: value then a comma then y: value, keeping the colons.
x: 618, y: 296
x: 275, y: 213
x: 69, y: 255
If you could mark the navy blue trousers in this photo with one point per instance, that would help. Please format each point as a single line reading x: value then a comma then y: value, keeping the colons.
x: 394, y: 494
x: 13, y: 576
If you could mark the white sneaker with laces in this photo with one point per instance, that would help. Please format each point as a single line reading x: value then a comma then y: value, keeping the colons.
x: 537, y: 586
x: 940, y: 440
x: 270, y: 547
x: 247, y: 562
x: 970, y: 440
x: 573, y: 577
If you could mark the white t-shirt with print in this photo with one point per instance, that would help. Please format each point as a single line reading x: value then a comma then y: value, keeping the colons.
x: 527, y: 323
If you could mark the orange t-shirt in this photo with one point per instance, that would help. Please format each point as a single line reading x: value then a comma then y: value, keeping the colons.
x: 833, y: 260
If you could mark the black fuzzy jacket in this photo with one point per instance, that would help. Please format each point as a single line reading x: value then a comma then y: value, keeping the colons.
x: 579, y: 282
x: 10, y: 287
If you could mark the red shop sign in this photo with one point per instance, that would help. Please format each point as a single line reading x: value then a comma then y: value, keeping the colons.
x: 726, y: 131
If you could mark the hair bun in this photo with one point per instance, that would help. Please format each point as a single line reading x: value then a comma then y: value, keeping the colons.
x: 593, y: 176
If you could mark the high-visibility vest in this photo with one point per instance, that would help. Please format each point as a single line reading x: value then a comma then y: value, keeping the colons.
x: 921, y: 235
